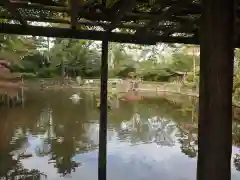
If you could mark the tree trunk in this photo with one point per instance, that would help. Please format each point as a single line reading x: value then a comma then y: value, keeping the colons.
x: 216, y: 81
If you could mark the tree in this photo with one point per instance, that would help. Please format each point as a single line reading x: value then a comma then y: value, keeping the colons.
x: 183, y: 62
x: 76, y: 55
x: 152, y: 70
x: 14, y: 48
x: 120, y: 62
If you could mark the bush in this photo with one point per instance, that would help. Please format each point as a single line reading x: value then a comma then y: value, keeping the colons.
x: 46, y: 73
x: 191, y: 85
x: 190, y: 77
x: 28, y: 75
x: 236, y: 94
x: 236, y: 82
x: 124, y: 72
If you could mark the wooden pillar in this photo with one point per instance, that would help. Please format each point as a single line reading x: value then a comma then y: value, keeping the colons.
x: 102, y: 155
x: 216, y: 81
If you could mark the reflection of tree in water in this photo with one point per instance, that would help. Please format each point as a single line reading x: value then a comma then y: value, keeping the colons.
x: 236, y: 142
x: 64, y: 128
x: 188, y: 129
x: 188, y: 145
x: 166, y: 135
x: 68, y: 134
x: 13, y: 169
x: 236, y: 161
x: 12, y: 142
x: 61, y: 156
x: 152, y: 129
x: 61, y: 147
x: 156, y: 125
x: 236, y: 133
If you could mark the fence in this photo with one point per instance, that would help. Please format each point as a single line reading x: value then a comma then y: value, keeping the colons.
x: 120, y: 85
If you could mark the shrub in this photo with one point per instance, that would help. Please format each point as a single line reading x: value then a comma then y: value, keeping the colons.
x: 28, y: 75
x: 190, y: 77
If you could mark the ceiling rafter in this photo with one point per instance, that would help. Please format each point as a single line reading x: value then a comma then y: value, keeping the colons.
x: 95, y: 15
x: 14, y: 11
x: 92, y: 35
x: 124, y: 7
x: 165, y: 13
x: 162, y: 18
x: 74, y: 4
x: 191, y: 25
x: 132, y: 26
x: 75, y: 8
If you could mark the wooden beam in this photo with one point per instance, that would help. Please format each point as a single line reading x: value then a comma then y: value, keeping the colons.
x: 124, y: 7
x: 69, y: 33
x: 75, y: 8
x: 57, y: 20
x: 92, y: 35
x: 186, y: 27
x: 154, y: 10
x: 133, y: 26
x: 83, y: 22
x: 90, y: 23
x: 37, y: 6
x: 74, y: 4
x: 129, y: 16
x: 216, y: 82
x: 14, y: 11
x: 165, y: 14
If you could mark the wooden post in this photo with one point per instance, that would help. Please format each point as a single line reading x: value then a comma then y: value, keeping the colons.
x: 102, y: 155
x: 216, y: 81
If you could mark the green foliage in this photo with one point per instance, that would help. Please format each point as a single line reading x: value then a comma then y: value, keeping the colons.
x: 151, y: 70
x: 75, y: 56
x: 82, y: 58
x: 46, y: 73
x: 28, y: 75
x: 183, y: 62
x: 190, y: 77
x: 14, y: 48
x: 124, y: 72
x: 236, y: 79
x: 120, y: 63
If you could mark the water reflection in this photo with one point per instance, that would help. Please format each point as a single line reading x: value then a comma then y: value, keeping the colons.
x: 13, y: 145
x: 56, y: 137
x: 154, y: 129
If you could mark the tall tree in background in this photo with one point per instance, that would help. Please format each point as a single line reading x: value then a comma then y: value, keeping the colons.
x: 75, y: 54
x: 183, y: 62
x: 14, y: 48
x: 120, y: 60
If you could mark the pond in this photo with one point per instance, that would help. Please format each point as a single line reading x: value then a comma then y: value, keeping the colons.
x: 53, y: 137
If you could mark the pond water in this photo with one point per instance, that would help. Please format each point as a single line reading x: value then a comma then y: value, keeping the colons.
x: 53, y: 137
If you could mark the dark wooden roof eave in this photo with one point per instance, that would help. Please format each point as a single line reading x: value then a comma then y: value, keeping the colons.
x: 143, y: 22
x: 92, y: 35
